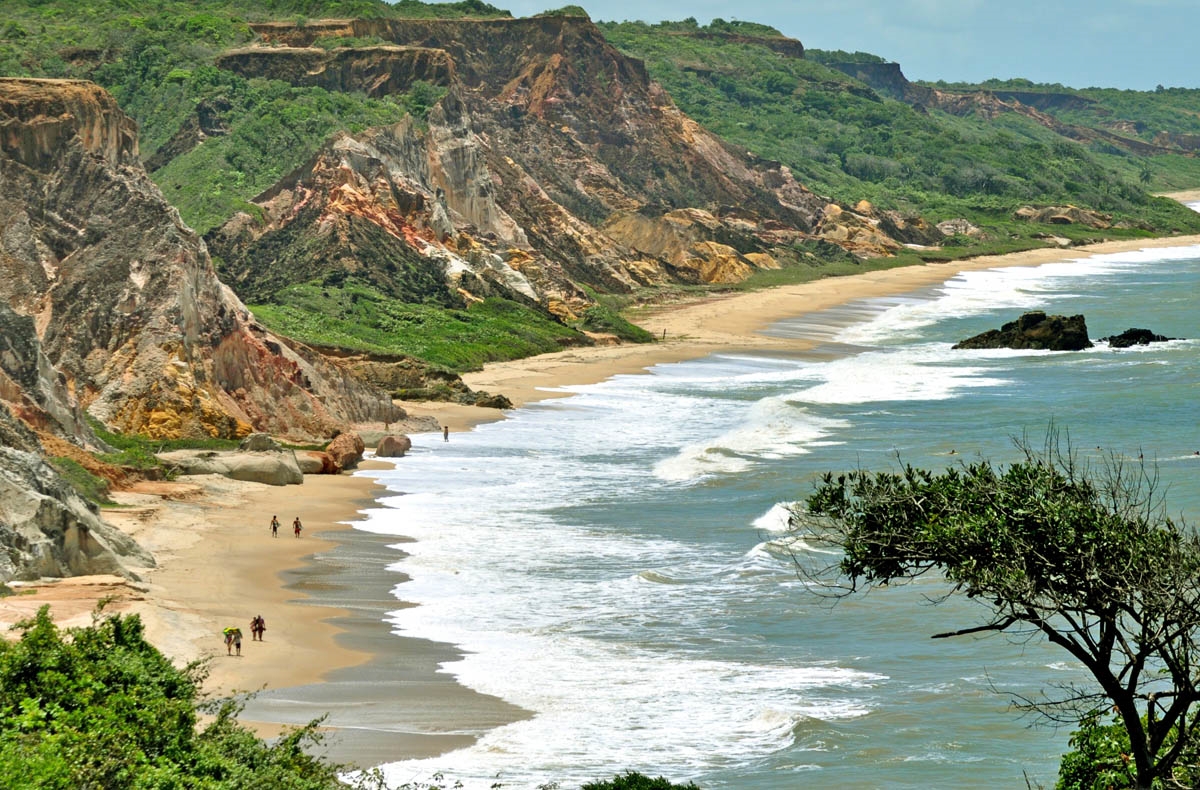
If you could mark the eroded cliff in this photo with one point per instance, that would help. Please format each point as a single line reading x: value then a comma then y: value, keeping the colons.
x: 122, y: 297
x: 540, y: 172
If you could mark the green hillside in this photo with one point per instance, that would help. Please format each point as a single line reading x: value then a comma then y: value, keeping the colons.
x: 742, y: 80
x: 156, y: 58
x: 846, y: 140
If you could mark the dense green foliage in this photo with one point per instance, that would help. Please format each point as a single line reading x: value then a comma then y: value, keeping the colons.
x: 101, y: 707
x: 358, y: 317
x: 1100, y: 758
x: 1089, y: 561
x: 827, y: 56
x: 845, y: 140
x: 1140, y: 115
x: 636, y: 781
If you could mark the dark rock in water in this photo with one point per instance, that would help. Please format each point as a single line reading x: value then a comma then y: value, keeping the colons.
x: 1036, y: 331
x: 1135, y: 337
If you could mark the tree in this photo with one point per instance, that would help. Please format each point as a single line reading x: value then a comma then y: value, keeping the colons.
x: 101, y: 707
x: 1086, y: 559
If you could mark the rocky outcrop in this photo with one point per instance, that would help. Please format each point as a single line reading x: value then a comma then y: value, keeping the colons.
x: 959, y: 227
x: 376, y: 71
x: 1034, y: 331
x: 272, y: 468
x: 346, y: 450
x: 40, y: 119
x: 121, y: 296
x: 692, y: 245
x: 259, y: 443
x: 522, y: 182
x: 888, y: 79
x: 1064, y: 215
x: 46, y: 528
x: 208, y: 120
x: 782, y: 45
x: 406, y: 378
x: 1135, y: 337
x: 860, y: 233
x: 393, y: 446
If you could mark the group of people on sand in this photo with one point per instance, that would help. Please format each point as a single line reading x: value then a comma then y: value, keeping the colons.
x: 233, y: 635
x: 296, y: 526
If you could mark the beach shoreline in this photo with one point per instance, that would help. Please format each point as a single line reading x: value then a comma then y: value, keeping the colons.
x: 218, y: 564
x: 730, y: 323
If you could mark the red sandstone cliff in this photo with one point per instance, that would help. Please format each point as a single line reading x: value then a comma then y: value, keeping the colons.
x: 121, y: 296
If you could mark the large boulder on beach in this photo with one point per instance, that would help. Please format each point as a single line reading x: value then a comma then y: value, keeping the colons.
x: 393, y: 446
x: 277, y: 469
x: 259, y: 443
x: 1064, y: 215
x: 347, y: 450
x: 1034, y: 331
x: 316, y: 462
x: 1134, y: 337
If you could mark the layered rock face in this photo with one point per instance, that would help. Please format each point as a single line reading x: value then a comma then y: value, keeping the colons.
x: 376, y: 71
x: 121, y: 297
x: 544, y: 168
x: 46, y: 529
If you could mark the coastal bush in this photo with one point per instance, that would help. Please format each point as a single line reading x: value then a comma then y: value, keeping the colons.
x: 1089, y: 560
x: 101, y: 707
x: 843, y: 139
x: 636, y: 781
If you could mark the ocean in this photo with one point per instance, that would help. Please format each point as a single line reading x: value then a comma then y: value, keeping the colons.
x: 616, y: 562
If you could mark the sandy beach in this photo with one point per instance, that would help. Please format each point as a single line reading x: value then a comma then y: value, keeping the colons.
x: 730, y: 322
x: 325, y: 594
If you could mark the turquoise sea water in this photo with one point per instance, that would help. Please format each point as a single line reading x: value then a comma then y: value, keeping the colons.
x: 614, y: 562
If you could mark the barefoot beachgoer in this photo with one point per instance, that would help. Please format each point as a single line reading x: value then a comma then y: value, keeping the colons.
x: 258, y: 626
x: 233, y: 641
x: 274, y: 526
x: 445, y: 433
x: 296, y: 526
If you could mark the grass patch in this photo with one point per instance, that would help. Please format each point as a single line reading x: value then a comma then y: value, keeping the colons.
x: 90, y: 487
x: 132, y: 450
x: 359, y: 318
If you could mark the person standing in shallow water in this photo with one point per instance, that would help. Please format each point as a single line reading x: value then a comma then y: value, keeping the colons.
x: 445, y: 433
x: 296, y: 526
x: 274, y: 526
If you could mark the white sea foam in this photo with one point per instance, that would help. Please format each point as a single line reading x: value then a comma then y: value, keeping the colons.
x: 1015, y: 288
x: 773, y: 428
x: 777, y: 519
x: 648, y: 624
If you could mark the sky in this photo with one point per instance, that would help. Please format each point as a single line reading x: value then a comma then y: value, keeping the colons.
x: 1136, y: 44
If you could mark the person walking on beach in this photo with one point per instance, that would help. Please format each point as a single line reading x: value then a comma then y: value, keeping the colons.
x: 445, y: 433
x: 296, y: 526
x: 258, y: 627
x: 274, y: 526
x: 233, y: 639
